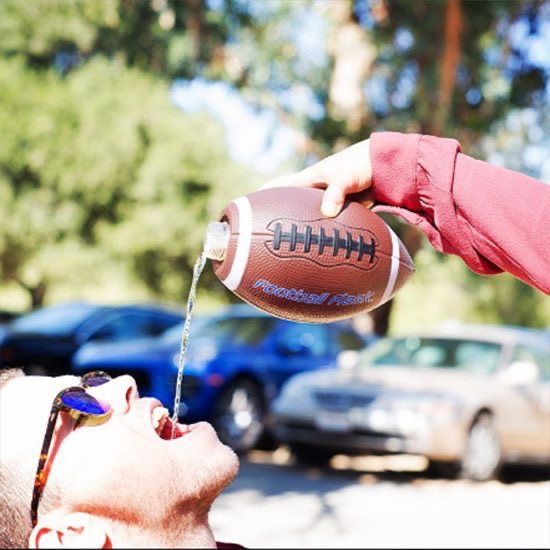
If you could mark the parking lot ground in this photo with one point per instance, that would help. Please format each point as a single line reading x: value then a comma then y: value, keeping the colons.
x: 379, y: 502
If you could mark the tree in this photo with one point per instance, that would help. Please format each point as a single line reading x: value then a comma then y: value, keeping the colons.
x: 97, y: 170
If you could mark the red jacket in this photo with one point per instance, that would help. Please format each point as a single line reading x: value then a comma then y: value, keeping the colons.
x: 494, y: 219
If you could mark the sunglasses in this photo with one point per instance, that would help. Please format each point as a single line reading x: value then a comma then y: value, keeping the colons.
x: 80, y: 406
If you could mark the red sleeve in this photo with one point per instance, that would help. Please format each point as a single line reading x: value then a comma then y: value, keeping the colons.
x: 494, y: 219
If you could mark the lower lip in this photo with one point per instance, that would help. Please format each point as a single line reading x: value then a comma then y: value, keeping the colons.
x: 198, y: 426
x: 191, y: 429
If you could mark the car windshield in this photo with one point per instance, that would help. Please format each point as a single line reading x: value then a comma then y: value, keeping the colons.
x: 442, y: 353
x: 237, y: 330
x: 59, y: 319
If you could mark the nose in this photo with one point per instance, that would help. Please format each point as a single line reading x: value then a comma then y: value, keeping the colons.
x: 120, y: 392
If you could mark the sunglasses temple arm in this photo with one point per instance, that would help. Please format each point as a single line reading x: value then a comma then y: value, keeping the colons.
x: 39, y: 480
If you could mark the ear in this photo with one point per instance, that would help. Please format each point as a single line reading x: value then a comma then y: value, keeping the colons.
x: 75, y: 530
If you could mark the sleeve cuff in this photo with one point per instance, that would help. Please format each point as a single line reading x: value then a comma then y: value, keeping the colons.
x: 394, y: 158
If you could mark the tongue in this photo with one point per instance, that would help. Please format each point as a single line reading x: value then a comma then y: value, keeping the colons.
x: 166, y: 432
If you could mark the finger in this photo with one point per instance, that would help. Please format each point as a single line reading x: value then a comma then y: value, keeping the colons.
x: 333, y: 199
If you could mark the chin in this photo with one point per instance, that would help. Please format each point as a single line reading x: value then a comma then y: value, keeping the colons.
x: 232, y: 463
x: 224, y: 468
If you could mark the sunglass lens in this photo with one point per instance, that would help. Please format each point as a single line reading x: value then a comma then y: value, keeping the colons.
x: 84, y: 403
x: 93, y: 379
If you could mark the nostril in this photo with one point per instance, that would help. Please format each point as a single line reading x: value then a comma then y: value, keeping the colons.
x: 130, y: 394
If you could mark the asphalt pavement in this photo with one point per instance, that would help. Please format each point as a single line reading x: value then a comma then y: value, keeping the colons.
x: 379, y: 502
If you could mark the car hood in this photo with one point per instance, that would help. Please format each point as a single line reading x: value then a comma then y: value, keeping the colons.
x: 139, y: 351
x: 393, y: 378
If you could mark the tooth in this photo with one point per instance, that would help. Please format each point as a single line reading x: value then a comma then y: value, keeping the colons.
x: 158, y: 414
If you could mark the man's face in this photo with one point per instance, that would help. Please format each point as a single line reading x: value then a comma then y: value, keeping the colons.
x: 120, y: 469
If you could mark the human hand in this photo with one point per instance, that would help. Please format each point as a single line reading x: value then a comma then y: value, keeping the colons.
x: 347, y: 172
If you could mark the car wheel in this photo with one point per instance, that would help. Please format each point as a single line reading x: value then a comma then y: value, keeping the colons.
x: 482, y: 454
x: 309, y: 455
x: 239, y: 415
x: 443, y: 469
x: 38, y: 370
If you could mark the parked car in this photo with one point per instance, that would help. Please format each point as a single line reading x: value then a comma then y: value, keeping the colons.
x: 44, y: 341
x: 469, y: 399
x: 6, y: 317
x: 236, y: 362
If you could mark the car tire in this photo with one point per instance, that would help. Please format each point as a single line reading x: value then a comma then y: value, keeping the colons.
x: 38, y: 370
x: 239, y: 415
x: 308, y: 455
x: 482, y: 458
x: 443, y: 469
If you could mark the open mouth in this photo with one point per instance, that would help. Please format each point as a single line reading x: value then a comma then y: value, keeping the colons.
x: 164, y: 427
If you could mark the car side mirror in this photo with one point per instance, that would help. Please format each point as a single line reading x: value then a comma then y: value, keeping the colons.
x: 292, y: 347
x: 520, y: 373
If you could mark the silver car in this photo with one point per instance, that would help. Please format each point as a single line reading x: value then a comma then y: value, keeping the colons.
x: 469, y: 398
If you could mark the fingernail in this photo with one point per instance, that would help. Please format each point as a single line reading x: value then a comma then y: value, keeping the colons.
x: 330, y: 209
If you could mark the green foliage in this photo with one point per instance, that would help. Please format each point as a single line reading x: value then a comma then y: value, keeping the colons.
x: 99, y: 167
x: 39, y: 29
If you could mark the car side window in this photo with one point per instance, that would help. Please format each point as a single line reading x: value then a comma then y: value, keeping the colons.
x: 248, y: 331
x: 130, y: 325
x: 305, y: 339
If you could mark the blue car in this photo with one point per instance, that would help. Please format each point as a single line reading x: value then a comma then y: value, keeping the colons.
x: 45, y: 340
x: 237, y: 361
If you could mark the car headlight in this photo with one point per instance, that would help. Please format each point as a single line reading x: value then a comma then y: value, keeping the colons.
x: 295, y: 397
x: 293, y: 390
x: 412, y: 414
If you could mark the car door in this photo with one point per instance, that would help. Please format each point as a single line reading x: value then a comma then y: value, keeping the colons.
x: 301, y: 347
x: 527, y: 406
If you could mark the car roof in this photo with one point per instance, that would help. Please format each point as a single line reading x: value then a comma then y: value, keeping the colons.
x: 245, y: 310
x: 506, y: 334
x: 80, y: 312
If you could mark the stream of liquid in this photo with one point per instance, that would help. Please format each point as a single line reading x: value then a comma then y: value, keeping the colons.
x: 197, y: 270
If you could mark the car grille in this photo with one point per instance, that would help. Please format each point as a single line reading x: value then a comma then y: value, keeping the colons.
x: 341, y: 401
x: 307, y: 427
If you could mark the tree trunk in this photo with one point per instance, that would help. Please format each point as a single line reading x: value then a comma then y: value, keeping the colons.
x: 450, y: 59
x: 353, y: 55
x: 37, y: 293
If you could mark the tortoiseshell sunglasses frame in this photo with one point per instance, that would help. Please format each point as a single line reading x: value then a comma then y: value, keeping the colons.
x: 90, y: 379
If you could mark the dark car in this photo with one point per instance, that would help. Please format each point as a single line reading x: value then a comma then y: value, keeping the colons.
x: 236, y: 362
x: 44, y: 341
x: 6, y: 317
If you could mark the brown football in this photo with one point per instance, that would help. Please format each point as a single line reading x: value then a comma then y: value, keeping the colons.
x: 286, y: 258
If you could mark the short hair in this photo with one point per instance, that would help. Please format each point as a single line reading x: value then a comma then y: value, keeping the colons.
x: 16, y: 482
x: 15, y: 528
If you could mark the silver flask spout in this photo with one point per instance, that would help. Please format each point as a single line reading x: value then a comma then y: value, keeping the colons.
x: 216, y: 240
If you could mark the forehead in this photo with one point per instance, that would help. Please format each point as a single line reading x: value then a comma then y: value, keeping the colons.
x: 25, y: 403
